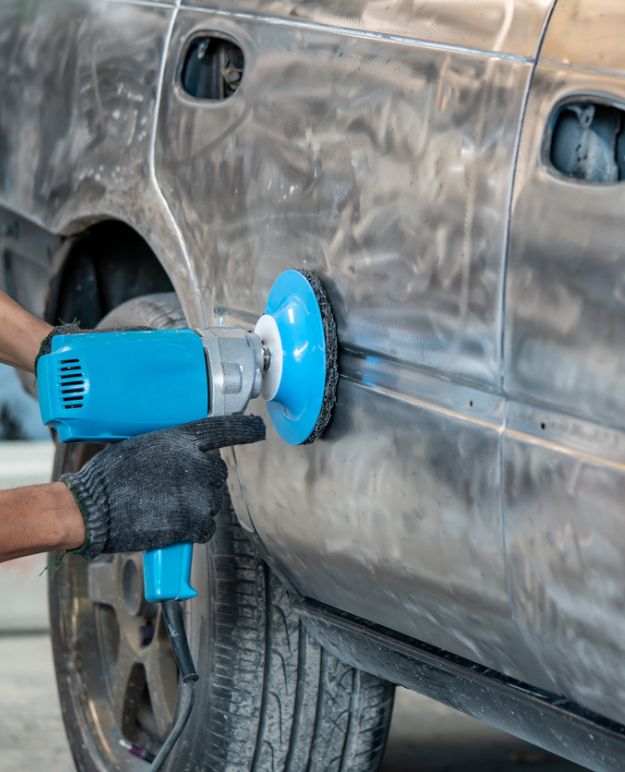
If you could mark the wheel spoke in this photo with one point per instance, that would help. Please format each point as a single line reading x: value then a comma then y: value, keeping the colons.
x: 162, y: 679
x: 102, y: 583
x: 127, y: 680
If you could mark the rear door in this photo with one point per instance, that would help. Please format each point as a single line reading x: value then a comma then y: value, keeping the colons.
x: 564, y: 361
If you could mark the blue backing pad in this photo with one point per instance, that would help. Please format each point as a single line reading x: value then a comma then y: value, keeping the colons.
x: 297, y: 405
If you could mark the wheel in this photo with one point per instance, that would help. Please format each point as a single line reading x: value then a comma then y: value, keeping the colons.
x: 269, y: 697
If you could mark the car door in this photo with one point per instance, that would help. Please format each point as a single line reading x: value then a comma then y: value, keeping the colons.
x: 375, y: 144
x: 564, y: 362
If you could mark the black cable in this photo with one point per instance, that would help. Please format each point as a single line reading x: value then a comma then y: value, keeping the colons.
x: 174, y: 622
x: 186, y: 698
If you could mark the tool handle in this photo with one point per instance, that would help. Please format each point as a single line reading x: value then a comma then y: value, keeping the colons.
x: 167, y: 573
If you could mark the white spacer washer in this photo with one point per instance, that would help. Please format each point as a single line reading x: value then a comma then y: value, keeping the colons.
x: 267, y: 330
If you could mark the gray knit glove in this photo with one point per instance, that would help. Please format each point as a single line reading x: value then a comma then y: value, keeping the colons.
x: 159, y: 488
x: 74, y: 329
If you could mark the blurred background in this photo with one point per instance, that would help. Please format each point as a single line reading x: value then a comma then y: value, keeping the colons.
x: 425, y: 736
x: 25, y: 458
x: 19, y: 414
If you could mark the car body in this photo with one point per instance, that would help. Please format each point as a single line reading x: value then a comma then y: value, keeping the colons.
x: 460, y: 528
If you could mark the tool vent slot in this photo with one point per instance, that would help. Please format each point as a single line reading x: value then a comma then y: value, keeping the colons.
x: 72, y: 382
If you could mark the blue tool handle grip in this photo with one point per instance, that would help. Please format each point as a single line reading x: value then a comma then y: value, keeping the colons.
x: 167, y: 573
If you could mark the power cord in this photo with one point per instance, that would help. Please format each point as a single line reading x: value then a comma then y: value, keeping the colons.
x: 174, y: 622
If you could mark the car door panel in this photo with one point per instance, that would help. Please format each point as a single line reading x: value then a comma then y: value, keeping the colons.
x: 386, y: 165
x: 565, y: 374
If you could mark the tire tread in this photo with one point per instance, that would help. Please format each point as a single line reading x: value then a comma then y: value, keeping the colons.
x: 313, y: 712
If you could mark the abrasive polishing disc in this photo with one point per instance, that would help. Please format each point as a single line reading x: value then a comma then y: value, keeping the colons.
x: 299, y: 329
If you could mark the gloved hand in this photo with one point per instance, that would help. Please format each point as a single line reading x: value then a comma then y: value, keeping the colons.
x: 74, y: 329
x: 159, y: 488
x: 61, y: 329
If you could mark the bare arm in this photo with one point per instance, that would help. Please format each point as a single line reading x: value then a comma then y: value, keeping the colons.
x: 21, y: 334
x: 39, y: 518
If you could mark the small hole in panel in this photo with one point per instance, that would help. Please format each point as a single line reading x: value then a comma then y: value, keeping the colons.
x: 588, y: 141
x: 212, y: 68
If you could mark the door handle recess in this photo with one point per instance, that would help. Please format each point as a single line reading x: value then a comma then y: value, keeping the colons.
x: 586, y: 141
x: 212, y: 68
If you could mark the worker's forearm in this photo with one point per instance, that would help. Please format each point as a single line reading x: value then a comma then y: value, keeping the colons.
x: 21, y: 334
x: 39, y: 518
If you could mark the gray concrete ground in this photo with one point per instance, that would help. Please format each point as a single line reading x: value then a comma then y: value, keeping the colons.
x: 31, y: 730
x: 23, y: 601
x: 425, y: 736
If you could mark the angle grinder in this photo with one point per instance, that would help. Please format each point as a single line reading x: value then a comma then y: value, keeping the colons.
x: 106, y: 386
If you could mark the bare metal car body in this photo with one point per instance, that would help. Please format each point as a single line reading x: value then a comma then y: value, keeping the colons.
x: 466, y: 508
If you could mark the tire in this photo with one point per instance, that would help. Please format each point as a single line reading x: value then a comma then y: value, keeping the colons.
x: 269, y: 697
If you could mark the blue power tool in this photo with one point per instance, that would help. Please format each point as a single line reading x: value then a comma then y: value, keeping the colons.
x: 109, y: 386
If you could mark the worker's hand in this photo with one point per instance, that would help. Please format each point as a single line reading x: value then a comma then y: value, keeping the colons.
x: 160, y: 488
x: 46, y: 343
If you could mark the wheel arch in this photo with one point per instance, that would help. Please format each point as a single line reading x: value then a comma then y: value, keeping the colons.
x: 100, y: 267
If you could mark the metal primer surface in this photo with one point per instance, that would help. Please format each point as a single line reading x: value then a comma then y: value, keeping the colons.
x: 503, y: 26
x: 386, y: 166
x: 78, y: 100
x: 564, y: 450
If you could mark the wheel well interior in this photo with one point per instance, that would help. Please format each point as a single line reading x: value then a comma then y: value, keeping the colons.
x: 104, y: 266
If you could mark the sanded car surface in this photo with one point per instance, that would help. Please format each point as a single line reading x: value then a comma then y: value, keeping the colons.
x: 421, y: 158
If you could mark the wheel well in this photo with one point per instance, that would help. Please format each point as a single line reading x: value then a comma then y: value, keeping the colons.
x: 99, y: 269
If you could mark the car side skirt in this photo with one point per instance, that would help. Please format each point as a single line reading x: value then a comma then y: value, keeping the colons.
x: 540, y: 717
